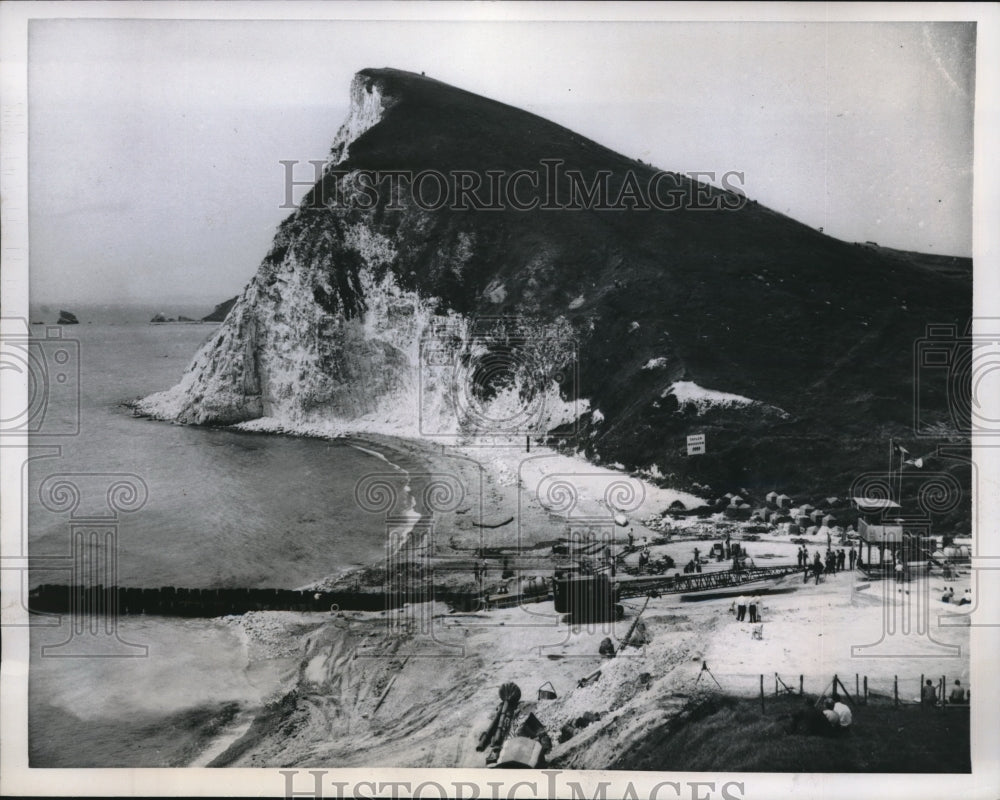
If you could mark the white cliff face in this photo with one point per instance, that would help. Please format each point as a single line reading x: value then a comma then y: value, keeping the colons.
x: 325, y: 339
x: 367, y: 107
x: 281, y: 354
x: 282, y: 362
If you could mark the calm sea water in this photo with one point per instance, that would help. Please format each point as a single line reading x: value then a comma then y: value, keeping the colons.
x: 224, y: 509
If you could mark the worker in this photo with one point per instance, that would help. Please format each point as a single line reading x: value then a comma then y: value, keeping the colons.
x: 832, y: 717
x: 741, y: 608
x: 844, y: 712
x: 957, y: 696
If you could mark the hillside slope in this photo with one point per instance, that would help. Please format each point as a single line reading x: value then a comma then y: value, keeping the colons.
x: 629, y: 311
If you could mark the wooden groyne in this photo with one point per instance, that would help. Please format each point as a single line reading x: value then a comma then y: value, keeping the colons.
x: 178, y: 602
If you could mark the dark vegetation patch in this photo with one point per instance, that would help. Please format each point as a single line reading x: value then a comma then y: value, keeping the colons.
x: 731, y: 734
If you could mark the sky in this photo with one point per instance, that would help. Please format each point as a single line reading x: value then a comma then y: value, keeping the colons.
x: 155, y: 146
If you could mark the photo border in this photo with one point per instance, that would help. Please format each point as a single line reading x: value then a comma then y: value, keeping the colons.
x: 18, y: 779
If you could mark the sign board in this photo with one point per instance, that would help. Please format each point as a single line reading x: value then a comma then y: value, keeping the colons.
x: 696, y: 444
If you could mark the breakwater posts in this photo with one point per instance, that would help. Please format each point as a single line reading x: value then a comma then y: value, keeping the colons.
x: 178, y: 602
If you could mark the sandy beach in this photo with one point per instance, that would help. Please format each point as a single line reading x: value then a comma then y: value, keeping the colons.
x: 417, y: 686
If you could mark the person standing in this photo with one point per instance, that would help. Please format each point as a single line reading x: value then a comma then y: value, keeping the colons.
x: 741, y: 608
x: 852, y: 557
x: 928, y: 694
x: 752, y: 607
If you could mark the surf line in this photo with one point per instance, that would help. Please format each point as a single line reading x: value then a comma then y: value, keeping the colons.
x: 399, y: 537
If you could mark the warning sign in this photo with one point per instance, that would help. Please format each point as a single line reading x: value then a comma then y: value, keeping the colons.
x: 696, y: 444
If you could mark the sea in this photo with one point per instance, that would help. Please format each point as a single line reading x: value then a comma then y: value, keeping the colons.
x: 213, y: 508
x: 206, y: 508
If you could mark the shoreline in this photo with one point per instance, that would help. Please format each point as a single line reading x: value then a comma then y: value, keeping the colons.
x: 348, y: 662
x: 501, y: 485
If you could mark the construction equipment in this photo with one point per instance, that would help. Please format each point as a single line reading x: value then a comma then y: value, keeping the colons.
x: 510, y: 696
x: 572, y: 594
x: 704, y: 669
x: 547, y: 694
x: 586, y: 598
x: 519, y: 752
x: 486, y: 736
x: 632, y: 628
x: 703, y: 581
x: 527, y: 747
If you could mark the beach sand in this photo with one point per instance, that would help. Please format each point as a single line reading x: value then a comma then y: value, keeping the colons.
x: 416, y: 687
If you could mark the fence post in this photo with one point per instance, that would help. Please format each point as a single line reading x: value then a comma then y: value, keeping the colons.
x: 775, y: 684
x: 857, y: 692
x: 800, y: 685
x: 895, y: 689
x: 866, y: 690
x: 762, y: 693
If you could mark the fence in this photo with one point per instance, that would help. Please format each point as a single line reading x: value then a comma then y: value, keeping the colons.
x: 897, y: 691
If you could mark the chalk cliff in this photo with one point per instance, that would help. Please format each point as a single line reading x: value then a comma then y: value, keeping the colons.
x: 622, y: 327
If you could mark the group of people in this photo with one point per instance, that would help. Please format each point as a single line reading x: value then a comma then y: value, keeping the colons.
x: 753, y: 605
x: 835, y: 561
x: 949, y: 597
x: 838, y: 716
x: 958, y: 696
